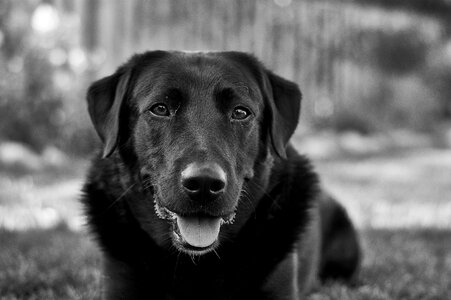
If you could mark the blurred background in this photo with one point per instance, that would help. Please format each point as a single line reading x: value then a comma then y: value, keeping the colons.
x: 376, y: 119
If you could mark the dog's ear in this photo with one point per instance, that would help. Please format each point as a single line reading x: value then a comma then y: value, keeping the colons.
x: 105, y: 98
x: 284, y: 99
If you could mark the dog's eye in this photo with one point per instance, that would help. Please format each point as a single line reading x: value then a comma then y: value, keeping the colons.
x: 240, y: 113
x: 160, y: 110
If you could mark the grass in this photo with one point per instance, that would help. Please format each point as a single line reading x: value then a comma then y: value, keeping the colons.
x: 49, y: 264
x: 399, y: 264
x: 59, y: 263
x: 400, y: 202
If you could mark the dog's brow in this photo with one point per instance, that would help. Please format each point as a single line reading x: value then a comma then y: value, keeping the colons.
x: 242, y: 86
x: 245, y: 90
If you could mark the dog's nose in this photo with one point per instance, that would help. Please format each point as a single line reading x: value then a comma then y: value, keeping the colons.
x: 203, y: 182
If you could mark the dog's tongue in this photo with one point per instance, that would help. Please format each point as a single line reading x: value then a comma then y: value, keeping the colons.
x: 199, y: 231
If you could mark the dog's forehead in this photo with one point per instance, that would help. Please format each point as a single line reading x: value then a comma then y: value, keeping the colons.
x: 199, y: 71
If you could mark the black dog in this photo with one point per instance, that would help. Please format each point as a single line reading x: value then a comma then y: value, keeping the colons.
x: 197, y: 195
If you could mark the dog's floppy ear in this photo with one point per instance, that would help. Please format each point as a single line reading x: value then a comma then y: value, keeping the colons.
x: 284, y: 99
x: 105, y: 98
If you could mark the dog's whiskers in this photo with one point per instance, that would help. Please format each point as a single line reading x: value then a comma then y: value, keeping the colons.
x: 120, y: 197
x: 217, y: 254
x: 261, y: 188
x: 176, y: 264
x: 248, y: 200
x: 147, y: 183
x: 193, y: 258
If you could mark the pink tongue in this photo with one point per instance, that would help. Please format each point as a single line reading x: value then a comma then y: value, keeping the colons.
x: 199, y: 232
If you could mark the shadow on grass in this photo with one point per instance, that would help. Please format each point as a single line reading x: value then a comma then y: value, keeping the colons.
x: 399, y: 264
x: 61, y: 264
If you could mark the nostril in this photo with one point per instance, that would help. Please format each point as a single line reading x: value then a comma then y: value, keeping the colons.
x: 203, y: 181
x: 217, y: 186
x: 192, y: 184
x: 197, y: 184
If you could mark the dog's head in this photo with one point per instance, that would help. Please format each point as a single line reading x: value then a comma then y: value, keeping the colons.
x: 203, y: 129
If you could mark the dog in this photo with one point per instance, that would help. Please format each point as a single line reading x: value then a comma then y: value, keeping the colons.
x: 196, y: 192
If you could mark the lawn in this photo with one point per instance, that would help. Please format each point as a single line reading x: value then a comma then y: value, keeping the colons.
x: 400, y: 202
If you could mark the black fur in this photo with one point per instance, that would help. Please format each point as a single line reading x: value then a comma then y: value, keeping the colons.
x: 236, y: 271
x: 280, y: 186
x: 340, y: 252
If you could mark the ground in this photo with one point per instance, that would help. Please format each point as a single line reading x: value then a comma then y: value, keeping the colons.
x: 398, y: 199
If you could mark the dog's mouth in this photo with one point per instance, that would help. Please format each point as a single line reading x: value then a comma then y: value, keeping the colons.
x: 195, y: 233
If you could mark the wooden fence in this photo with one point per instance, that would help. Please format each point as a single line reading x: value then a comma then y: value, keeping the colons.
x: 342, y: 54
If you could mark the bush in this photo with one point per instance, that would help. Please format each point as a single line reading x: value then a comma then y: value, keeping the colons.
x: 31, y: 116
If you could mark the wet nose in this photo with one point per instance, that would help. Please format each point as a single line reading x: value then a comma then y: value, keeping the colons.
x: 203, y: 182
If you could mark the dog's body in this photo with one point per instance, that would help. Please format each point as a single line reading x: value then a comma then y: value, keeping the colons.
x: 197, y: 195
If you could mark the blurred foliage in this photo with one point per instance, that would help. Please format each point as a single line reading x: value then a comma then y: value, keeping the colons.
x: 31, y: 115
x: 40, y: 92
x: 361, y: 67
x: 399, y: 52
